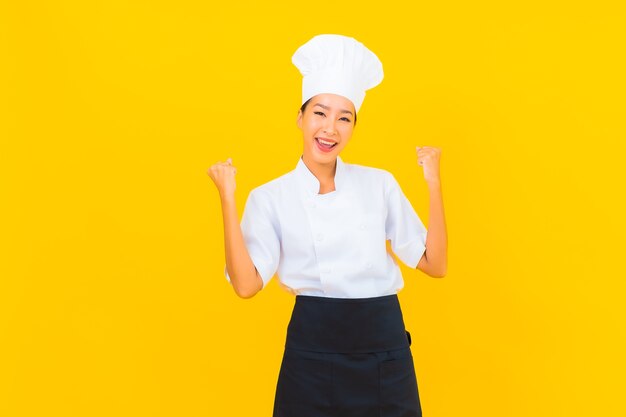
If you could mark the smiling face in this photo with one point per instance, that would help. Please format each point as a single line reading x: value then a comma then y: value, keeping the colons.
x: 327, y: 118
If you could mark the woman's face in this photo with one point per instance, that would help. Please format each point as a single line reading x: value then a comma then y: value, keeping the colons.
x: 327, y: 117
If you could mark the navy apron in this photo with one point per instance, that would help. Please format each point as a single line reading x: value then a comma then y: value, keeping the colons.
x: 347, y: 357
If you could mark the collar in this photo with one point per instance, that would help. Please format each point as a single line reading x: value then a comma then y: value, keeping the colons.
x: 309, y: 182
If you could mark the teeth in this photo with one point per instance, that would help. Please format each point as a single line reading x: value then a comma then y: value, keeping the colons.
x: 324, y: 142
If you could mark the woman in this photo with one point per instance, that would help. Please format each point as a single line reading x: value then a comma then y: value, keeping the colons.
x: 323, y: 227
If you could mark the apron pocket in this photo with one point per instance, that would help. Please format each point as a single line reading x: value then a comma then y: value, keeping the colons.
x: 398, y: 384
x: 304, y: 381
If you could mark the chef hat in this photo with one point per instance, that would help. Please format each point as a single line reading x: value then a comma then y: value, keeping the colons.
x: 337, y: 64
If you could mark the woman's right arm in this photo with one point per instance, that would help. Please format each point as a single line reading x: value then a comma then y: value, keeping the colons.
x: 244, y: 276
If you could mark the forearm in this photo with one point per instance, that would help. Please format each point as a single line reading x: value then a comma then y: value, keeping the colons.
x: 436, y: 238
x: 241, y: 269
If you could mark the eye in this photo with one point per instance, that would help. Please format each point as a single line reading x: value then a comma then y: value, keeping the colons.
x: 346, y: 119
x: 320, y: 113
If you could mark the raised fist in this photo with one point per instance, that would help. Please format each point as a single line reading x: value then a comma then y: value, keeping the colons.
x: 223, y: 175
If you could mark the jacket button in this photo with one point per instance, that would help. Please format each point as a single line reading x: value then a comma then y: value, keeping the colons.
x: 369, y: 265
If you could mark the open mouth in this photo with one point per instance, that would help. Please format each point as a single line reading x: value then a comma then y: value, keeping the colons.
x: 324, y: 146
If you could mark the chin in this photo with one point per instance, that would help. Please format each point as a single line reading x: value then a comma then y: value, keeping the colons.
x: 324, y: 156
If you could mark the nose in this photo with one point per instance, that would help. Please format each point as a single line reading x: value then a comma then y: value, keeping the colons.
x: 329, y: 129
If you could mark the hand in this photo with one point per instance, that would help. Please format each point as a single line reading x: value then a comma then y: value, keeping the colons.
x: 428, y: 157
x: 223, y: 175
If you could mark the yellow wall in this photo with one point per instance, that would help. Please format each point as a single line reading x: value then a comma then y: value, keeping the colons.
x: 112, y: 296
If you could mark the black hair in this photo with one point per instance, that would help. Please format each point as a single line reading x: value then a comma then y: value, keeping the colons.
x: 303, y: 107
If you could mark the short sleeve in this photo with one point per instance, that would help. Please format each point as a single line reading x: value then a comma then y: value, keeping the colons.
x: 402, y: 225
x: 259, y: 230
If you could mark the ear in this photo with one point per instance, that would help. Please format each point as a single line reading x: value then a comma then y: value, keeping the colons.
x: 299, y: 119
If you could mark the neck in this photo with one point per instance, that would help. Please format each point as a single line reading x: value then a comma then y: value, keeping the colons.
x: 324, y: 172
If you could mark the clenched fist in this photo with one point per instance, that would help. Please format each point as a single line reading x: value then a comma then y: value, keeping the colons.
x: 223, y: 175
x: 428, y: 157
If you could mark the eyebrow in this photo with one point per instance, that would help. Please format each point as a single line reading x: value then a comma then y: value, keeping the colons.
x: 327, y: 108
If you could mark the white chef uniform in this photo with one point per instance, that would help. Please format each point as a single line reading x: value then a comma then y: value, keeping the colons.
x: 333, y: 244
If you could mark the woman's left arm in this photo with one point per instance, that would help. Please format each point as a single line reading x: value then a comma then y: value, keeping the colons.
x: 435, y: 260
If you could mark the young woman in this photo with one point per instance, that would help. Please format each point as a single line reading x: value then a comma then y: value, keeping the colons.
x: 323, y: 227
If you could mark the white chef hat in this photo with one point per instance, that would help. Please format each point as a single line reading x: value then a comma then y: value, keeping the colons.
x: 337, y: 64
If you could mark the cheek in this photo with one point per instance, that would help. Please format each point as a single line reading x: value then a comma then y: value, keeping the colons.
x: 346, y: 131
x: 312, y: 128
x: 309, y: 131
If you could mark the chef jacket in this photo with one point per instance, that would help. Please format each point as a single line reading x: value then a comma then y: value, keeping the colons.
x: 333, y: 244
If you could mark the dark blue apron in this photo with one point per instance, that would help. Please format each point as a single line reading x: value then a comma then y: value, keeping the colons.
x: 347, y: 357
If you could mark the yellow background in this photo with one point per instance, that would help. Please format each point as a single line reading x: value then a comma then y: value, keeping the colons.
x: 112, y: 294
